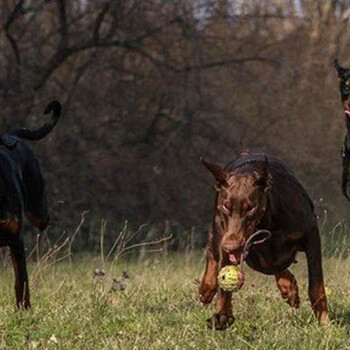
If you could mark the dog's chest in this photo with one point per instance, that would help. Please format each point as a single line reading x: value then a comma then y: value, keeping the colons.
x: 269, y: 260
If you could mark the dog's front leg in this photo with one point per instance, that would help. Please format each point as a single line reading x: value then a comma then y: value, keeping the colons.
x: 209, y: 284
x: 223, y: 318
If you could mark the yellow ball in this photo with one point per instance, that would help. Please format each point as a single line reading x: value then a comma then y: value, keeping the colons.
x: 230, y: 278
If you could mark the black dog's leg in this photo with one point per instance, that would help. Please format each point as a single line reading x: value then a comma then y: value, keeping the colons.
x: 36, y: 208
x: 36, y: 202
x: 21, y: 275
x: 346, y: 164
x: 317, y: 292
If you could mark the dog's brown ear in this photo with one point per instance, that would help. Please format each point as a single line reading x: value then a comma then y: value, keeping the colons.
x: 219, y: 173
x: 263, y: 176
x: 339, y: 69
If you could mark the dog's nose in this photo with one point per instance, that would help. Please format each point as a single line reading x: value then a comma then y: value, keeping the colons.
x: 228, y: 247
x: 231, y: 244
x: 231, y: 247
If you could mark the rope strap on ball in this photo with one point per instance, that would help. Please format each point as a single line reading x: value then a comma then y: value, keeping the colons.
x: 252, y: 242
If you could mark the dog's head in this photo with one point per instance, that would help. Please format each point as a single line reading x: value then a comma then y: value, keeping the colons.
x: 344, y: 86
x: 241, y: 203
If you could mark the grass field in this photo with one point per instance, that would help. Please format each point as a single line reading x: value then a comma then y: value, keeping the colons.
x: 159, y: 308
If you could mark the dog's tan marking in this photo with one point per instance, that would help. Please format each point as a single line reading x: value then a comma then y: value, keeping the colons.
x: 11, y: 225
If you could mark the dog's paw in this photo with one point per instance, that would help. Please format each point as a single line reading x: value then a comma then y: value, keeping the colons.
x: 23, y: 304
x: 323, y: 318
x: 207, y: 292
x: 220, y: 322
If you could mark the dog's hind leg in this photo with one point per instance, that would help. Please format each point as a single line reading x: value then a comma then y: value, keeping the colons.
x: 41, y: 223
x: 316, y: 285
x: 288, y: 287
x: 21, y: 275
x: 36, y: 207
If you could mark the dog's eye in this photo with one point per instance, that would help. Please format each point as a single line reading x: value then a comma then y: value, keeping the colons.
x: 225, y: 208
x: 251, y: 210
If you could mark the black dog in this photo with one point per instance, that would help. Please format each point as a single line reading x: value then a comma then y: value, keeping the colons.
x: 22, y: 190
x: 344, y: 87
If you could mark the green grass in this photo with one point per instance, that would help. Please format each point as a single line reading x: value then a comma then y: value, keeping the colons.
x: 160, y: 310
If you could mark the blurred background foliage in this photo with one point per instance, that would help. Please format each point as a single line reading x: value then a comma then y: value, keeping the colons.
x: 149, y: 86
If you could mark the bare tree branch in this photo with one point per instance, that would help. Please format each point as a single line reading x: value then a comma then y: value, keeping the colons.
x: 18, y: 9
x: 99, y: 20
x: 63, y: 44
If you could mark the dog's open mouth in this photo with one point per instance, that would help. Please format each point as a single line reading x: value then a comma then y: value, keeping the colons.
x: 235, y: 258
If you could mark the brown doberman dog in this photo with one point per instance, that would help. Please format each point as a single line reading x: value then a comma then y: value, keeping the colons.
x: 259, y: 192
x: 22, y: 190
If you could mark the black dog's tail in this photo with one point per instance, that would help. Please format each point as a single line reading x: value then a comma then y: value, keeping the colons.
x: 37, y: 134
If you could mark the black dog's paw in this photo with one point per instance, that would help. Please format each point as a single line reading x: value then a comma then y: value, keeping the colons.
x: 220, y: 322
